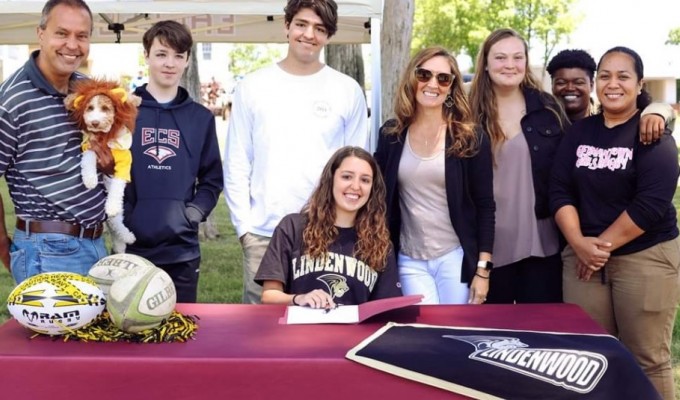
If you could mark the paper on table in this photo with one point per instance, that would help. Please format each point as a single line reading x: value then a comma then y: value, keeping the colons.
x: 345, y: 314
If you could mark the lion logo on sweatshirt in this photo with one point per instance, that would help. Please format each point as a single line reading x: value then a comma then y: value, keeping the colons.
x: 337, y: 284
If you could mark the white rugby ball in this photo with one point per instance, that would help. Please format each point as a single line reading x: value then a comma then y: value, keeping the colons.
x: 110, y: 268
x: 141, y: 299
x: 53, y: 303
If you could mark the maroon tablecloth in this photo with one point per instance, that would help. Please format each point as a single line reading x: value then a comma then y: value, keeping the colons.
x: 241, y: 352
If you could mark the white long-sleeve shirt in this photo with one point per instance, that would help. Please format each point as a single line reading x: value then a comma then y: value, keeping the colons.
x: 282, y: 130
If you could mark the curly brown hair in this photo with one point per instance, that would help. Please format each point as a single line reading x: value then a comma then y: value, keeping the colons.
x: 458, y: 118
x: 483, y: 98
x: 373, y: 244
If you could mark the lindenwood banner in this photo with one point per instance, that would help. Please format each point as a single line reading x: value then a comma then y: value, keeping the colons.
x: 509, y: 364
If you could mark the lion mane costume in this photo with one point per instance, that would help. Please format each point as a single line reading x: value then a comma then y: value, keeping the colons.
x: 105, y: 113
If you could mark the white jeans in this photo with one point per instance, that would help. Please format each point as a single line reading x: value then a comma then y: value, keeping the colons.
x: 438, y: 279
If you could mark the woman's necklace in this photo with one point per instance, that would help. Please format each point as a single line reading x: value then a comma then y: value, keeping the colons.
x: 436, y: 137
x: 425, y: 145
x: 436, y: 140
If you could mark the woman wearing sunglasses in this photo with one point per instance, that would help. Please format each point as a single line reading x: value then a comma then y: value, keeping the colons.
x: 438, y: 176
x: 525, y: 126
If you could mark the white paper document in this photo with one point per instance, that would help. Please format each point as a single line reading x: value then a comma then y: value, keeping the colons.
x: 339, y: 315
x: 345, y: 314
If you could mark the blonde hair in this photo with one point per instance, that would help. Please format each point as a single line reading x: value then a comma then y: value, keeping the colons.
x: 483, y: 98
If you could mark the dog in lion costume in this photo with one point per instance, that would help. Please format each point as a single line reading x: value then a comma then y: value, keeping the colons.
x: 106, y: 113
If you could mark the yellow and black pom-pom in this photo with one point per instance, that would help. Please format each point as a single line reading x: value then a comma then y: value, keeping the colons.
x: 176, y: 328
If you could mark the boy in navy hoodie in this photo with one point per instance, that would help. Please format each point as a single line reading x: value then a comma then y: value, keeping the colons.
x: 176, y: 168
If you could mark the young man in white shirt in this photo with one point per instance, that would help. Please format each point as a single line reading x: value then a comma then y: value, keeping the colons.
x: 286, y: 121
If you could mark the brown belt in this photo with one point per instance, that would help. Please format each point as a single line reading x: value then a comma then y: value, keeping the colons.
x: 60, y: 227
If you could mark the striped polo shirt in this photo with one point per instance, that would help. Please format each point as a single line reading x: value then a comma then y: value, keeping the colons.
x: 40, y: 152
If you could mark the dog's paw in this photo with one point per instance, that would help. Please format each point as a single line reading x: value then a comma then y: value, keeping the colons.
x: 121, y: 239
x: 127, y: 237
x: 90, y: 180
x: 113, y: 207
x: 118, y: 246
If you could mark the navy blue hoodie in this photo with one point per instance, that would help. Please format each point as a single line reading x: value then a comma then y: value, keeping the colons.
x: 176, y: 177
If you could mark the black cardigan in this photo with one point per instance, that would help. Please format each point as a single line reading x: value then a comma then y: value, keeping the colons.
x: 543, y: 132
x: 469, y: 193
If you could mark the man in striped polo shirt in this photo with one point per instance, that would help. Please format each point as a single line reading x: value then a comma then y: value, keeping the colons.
x: 59, y: 221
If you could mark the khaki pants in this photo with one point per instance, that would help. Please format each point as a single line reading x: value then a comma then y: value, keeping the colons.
x: 254, y: 247
x: 637, y: 303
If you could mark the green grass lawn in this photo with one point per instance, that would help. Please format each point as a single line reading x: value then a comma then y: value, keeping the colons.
x: 675, y: 347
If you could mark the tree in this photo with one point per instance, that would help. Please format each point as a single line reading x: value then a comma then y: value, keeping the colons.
x: 546, y: 22
x: 347, y: 58
x: 674, y: 36
x: 395, y: 43
x: 457, y: 25
x: 462, y: 25
x: 248, y: 57
x: 191, y: 81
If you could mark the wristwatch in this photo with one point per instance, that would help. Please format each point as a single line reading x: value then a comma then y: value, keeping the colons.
x: 487, y: 265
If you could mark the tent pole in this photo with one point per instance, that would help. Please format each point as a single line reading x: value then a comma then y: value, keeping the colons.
x: 376, y: 83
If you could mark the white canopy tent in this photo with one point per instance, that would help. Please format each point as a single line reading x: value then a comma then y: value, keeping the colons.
x: 210, y: 21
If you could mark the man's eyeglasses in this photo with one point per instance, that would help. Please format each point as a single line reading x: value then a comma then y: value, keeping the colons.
x: 443, y: 79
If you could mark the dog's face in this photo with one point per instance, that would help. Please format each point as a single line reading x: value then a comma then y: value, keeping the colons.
x: 99, y: 114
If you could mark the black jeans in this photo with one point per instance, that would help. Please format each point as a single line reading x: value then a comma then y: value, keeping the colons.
x: 185, y: 276
x: 531, y: 280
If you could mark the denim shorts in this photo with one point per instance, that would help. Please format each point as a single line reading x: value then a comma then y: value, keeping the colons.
x: 51, y: 252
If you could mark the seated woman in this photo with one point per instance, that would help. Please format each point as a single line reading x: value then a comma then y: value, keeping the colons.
x: 337, y: 250
x: 612, y: 200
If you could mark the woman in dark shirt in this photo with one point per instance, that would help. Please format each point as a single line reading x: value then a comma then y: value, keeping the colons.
x: 612, y: 199
x: 337, y: 251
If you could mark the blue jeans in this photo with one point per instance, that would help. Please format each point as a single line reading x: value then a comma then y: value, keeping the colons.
x: 438, y: 279
x: 50, y: 252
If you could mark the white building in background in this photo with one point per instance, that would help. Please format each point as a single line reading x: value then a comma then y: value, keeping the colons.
x: 115, y: 61
x: 642, y: 26
x: 213, y: 61
x: 11, y: 58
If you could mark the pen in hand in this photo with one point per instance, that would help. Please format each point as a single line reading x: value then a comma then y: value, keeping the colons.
x: 329, y: 308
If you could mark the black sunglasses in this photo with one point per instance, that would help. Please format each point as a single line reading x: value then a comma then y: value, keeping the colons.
x: 424, y: 75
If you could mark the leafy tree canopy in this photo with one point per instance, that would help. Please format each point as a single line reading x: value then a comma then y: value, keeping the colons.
x: 673, y: 36
x: 462, y: 25
x: 248, y: 57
